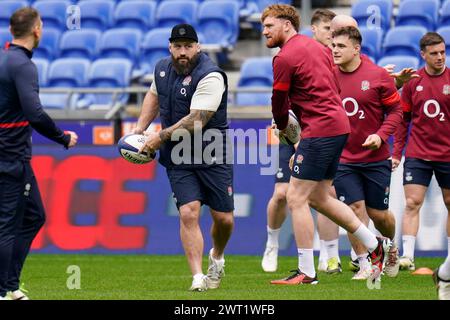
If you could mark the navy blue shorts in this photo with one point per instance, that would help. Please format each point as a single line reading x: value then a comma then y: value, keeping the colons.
x: 417, y: 171
x: 364, y: 181
x: 285, y: 153
x: 317, y: 159
x: 212, y: 186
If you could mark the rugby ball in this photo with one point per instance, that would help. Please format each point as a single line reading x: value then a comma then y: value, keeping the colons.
x: 292, y: 130
x: 129, y: 146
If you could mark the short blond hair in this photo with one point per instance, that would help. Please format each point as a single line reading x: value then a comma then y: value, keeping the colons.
x: 282, y: 11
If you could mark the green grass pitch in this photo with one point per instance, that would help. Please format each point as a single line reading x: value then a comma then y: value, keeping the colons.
x: 149, y: 277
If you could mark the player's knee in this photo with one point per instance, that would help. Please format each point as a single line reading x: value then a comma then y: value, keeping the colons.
x: 189, y: 214
x: 358, y: 208
x: 412, y: 205
x: 225, y: 220
x: 280, y: 194
x: 294, y: 199
x: 380, y: 218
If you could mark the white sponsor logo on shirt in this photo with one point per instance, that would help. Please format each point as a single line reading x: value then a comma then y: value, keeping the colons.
x: 162, y: 74
x: 365, y: 85
x: 419, y: 88
x: 446, y: 89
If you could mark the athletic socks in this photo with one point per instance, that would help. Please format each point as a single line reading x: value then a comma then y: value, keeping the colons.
x: 306, y: 262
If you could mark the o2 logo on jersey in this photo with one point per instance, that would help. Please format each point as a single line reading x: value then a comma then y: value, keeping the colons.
x: 355, y: 110
x: 431, y: 112
x: 183, y: 91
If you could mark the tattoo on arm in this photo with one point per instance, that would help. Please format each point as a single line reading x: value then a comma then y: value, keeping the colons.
x: 188, y: 123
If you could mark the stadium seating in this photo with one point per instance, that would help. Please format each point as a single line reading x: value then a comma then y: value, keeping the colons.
x: 418, y: 13
x: 445, y: 14
x: 400, y: 62
x: 445, y: 33
x: 96, y: 14
x: 5, y: 36
x: 65, y: 73
x: 42, y: 68
x: 371, y: 41
x: 261, y: 4
x: 107, y: 73
x: 120, y: 43
x: 80, y: 44
x: 135, y: 14
x: 154, y: 47
x: 364, y: 10
x: 255, y: 72
x: 49, y: 45
x: 218, y: 21
x: 7, y: 8
x: 171, y: 13
x: 403, y: 41
x: 53, y: 13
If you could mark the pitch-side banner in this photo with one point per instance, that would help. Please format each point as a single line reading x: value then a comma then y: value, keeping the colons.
x: 96, y: 202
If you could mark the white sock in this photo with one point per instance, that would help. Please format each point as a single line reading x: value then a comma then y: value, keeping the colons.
x: 366, y: 237
x: 323, y: 255
x: 198, y: 276
x: 444, y: 269
x: 363, y: 261
x: 332, y: 248
x: 353, y: 254
x: 306, y: 262
x: 272, y: 237
x: 221, y: 258
x: 409, y: 243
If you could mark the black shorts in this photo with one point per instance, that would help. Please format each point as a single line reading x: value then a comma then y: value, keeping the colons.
x: 285, y: 153
x: 317, y: 159
x: 212, y: 186
x: 417, y: 171
x: 364, y: 181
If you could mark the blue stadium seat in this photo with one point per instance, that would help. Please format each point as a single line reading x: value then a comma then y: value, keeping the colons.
x: 96, y: 14
x: 5, y: 36
x: 369, y: 13
x: 400, y: 62
x: 445, y: 14
x: 42, y: 68
x: 445, y: 33
x: 107, y: 73
x: 137, y: 14
x: 80, y: 44
x: 154, y: 47
x: 120, y: 43
x: 218, y: 21
x: 7, y: 8
x: 371, y: 41
x: 418, y: 13
x: 174, y: 12
x: 264, y: 3
x: 246, y: 8
x: 49, y: 45
x: 255, y: 72
x: 65, y: 73
x: 403, y: 41
x: 53, y: 13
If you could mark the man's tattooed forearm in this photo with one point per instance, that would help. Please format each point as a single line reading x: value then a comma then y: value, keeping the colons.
x: 187, y: 123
